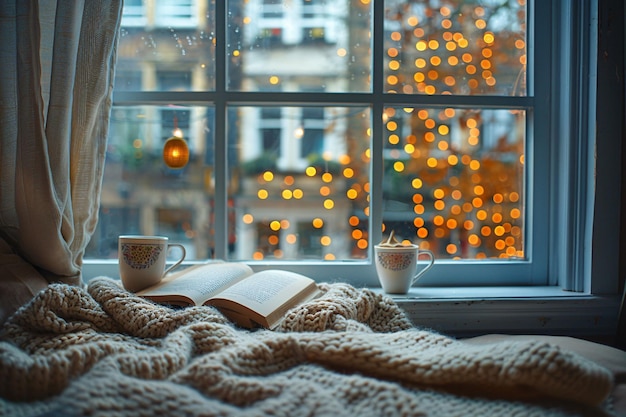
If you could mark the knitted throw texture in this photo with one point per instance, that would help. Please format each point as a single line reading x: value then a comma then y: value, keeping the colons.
x: 103, y: 351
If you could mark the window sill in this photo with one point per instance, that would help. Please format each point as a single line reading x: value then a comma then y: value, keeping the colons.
x: 465, y: 312
x: 480, y: 293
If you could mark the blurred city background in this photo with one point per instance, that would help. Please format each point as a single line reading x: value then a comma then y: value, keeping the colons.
x: 299, y: 176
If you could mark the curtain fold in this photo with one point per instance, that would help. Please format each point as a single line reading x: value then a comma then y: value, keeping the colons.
x: 58, y: 62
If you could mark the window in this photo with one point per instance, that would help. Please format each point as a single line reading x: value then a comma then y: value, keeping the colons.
x: 293, y: 23
x: 133, y: 14
x: 317, y: 127
x: 175, y: 13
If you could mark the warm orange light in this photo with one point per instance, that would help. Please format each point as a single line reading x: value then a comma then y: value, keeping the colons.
x: 175, y: 152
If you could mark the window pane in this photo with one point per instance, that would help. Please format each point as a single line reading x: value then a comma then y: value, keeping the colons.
x: 166, y: 45
x: 454, y: 180
x: 475, y: 47
x: 306, y: 196
x: 141, y: 195
x: 295, y: 43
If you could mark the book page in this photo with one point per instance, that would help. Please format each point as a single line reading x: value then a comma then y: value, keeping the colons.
x: 266, y: 291
x: 199, y: 282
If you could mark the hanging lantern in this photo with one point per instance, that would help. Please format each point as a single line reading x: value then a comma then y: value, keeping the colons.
x: 175, y: 152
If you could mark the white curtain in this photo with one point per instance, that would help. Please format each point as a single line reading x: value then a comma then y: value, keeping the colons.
x: 57, y: 60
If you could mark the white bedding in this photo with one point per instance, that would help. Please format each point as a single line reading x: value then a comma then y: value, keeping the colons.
x: 104, y: 351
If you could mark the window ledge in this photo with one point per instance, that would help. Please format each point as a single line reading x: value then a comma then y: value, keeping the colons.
x: 480, y: 293
x: 513, y: 310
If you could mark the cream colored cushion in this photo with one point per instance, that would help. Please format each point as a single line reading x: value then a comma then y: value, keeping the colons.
x: 607, y: 356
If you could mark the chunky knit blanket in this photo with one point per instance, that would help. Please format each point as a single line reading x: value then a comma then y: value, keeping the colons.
x: 102, y: 351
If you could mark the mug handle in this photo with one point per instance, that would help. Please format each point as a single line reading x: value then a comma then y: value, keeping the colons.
x: 182, y: 258
x: 431, y: 262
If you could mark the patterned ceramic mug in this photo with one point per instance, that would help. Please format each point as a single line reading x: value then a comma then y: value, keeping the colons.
x: 142, y: 260
x: 396, y: 266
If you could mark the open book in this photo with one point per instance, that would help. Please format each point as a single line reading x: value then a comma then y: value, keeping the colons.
x: 248, y: 299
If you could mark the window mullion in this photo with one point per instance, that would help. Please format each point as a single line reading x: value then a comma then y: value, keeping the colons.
x: 220, y: 206
x: 376, y: 143
x: 538, y: 151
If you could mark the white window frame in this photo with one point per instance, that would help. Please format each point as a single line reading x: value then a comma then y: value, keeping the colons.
x: 578, y: 258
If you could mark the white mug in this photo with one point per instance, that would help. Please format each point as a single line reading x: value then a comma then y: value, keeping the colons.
x: 142, y: 260
x: 396, y: 266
